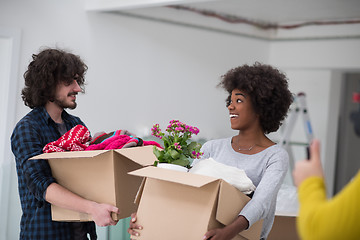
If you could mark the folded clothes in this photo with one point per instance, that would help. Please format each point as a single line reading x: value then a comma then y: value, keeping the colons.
x: 232, y: 175
x: 102, y: 136
x: 76, y: 139
x: 121, y: 141
x: 114, y: 142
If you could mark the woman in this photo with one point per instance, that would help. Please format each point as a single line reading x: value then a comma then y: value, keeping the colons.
x: 258, y: 101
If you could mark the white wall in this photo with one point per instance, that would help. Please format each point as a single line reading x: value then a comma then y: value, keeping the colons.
x: 142, y: 72
x: 127, y: 58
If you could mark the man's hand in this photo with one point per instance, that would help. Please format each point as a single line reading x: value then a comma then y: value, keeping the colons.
x: 101, y: 214
x: 309, y: 168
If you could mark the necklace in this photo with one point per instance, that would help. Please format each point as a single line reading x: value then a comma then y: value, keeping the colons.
x: 244, y: 149
x: 247, y: 149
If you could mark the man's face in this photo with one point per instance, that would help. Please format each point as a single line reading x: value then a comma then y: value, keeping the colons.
x: 66, y: 94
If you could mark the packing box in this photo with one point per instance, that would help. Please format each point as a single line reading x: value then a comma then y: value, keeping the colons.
x: 100, y: 176
x: 179, y: 205
x: 284, y: 227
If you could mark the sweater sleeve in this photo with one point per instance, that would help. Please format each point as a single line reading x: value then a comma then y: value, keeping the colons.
x: 336, y: 218
x: 262, y: 204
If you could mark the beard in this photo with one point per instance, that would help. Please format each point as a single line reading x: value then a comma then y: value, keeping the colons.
x: 63, y: 103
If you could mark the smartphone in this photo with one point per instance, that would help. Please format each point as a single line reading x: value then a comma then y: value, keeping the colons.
x: 308, y: 152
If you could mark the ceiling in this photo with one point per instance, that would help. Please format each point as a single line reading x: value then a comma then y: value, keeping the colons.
x: 267, y: 19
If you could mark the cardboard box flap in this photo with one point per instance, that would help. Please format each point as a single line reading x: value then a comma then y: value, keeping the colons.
x: 141, y: 155
x: 72, y: 154
x: 194, y: 180
x: 230, y: 207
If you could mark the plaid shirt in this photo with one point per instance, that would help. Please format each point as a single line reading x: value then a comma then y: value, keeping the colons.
x: 29, y: 137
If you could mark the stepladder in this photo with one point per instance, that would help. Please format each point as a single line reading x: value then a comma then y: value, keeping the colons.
x: 299, y: 107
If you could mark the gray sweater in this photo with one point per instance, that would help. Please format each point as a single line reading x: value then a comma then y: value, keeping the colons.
x: 266, y: 169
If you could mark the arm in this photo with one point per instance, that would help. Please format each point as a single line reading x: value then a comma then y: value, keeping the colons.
x: 270, y: 172
x: 26, y: 142
x: 263, y: 203
x: 320, y: 218
x: 60, y: 196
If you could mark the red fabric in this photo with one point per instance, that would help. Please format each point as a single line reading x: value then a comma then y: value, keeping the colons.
x: 114, y: 142
x: 74, y: 140
x: 118, y: 142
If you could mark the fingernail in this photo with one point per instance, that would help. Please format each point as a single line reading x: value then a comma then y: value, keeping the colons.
x: 133, y: 219
x: 137, y: 234
x: 140, y: 228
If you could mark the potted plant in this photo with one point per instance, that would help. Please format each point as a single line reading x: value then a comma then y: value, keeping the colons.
x: 178, y: 149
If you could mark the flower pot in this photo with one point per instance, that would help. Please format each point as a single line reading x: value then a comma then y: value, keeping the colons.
x: 173, y: 167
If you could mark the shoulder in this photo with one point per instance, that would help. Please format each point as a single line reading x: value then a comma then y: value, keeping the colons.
x: 278, y: 154
x: 216, y: 146
x: 27, y: 128
x: 217, y: 142
x: 279, y: 151
x: 30, y: 120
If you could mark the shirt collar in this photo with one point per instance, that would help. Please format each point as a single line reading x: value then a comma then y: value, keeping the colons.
x: 64, y: 115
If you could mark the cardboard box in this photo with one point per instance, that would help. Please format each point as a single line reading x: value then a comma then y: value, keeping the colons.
x: 284, y: 227
x: 179, y: 205
x: 100, y: 176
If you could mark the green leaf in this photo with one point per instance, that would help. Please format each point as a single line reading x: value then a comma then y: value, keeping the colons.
x: 167, y: 157
x: 185, y: 151
x: 183, y: 157
x: 166, y: 142
x: 194, y: 146
x: 159, y: 154
x: 181, y: 162
x: 174, y: 154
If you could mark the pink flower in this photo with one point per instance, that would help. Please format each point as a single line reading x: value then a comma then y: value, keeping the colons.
x: 177, y: 146
x: 178, y: 134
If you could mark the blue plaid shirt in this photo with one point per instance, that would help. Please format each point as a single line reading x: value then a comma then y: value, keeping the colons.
x: 29, y: 137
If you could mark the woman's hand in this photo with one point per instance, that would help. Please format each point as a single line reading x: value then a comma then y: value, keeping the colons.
x: 309, y: 168
x: 229, y: 231
x: 218, y: 234
x: 133, y: 226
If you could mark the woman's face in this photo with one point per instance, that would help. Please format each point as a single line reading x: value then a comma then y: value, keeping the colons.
x: 242, y: 114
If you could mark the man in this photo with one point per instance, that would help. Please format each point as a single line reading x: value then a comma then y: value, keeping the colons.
x: 52, y: 81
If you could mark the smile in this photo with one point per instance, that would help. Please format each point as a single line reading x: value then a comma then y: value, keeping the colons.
x: 73, y: 95
x: 233, y: 115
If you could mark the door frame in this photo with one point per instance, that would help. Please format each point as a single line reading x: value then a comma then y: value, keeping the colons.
x: 10, y: 59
